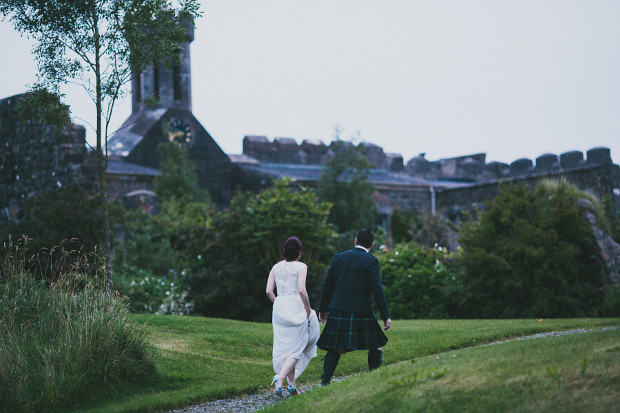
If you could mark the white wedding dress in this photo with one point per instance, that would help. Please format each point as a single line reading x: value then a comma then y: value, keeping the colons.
x: 293, y: 334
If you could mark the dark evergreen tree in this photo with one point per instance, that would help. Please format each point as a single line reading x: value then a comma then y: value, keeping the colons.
x: 530, y: 255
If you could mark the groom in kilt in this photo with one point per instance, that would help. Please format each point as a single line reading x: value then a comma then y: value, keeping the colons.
x: 346, y: 306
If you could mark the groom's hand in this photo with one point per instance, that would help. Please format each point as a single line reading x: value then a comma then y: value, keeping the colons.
x: 323, y: 317
x: 387, y: 324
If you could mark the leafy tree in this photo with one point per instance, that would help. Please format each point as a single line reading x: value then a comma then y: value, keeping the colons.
x: 167, y: 240
x: 343, y: 183
x: 423, y: 228
x: 530, y: 255
x: 159, y: 250
x: 41, y: 104
x: 246, y: 241
x: 401, y: 223
x: 430, y: 230
x: 100, y: 44
x: 419, y: 282
x: 178, y: 177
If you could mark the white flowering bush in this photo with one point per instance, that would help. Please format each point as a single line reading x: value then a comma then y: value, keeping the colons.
x: 148, y: 293
x: 418, y: 283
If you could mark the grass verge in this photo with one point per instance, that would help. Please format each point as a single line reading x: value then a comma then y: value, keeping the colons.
x: 60, y: 342
x: 571, y: 373
x: 205, y: 359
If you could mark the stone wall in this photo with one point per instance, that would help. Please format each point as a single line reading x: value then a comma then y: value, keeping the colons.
x: 34, y: 158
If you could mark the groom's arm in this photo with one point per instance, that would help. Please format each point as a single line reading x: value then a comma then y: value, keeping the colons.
x: 374, y: 280
x: 328, y: 288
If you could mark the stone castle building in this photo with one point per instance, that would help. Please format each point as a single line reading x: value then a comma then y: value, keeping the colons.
x: 32, y: 158
x: 447, y: 186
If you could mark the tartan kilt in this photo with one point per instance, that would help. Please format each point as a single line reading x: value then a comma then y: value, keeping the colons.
x: 350, y: 331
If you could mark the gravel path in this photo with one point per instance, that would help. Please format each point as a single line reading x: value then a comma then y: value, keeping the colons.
x: 254, y: 402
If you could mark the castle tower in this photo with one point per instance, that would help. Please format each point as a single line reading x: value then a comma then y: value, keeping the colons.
x: 134, y: 146
x: 171, y: 88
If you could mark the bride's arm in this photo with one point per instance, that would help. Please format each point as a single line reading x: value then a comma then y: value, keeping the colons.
x: 301, y: 286
x: 271, y: 283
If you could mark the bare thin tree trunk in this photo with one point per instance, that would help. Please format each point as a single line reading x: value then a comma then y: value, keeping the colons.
x: 102, y: 159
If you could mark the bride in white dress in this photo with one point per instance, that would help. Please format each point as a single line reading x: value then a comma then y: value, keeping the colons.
x: 295, y: 324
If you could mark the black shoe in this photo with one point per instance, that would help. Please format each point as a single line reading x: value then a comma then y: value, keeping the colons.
x: 375, y: 359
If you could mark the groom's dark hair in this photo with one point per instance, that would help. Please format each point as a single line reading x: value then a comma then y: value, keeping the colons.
x: 365, y: 238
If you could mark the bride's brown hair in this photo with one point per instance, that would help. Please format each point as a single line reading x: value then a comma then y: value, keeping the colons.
x: 291, y: 248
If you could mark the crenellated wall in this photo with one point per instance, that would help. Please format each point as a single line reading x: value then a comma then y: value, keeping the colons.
x: 474, y: 168
x: 473, y: 179
x: 312, y: 152
x: 598, y: 178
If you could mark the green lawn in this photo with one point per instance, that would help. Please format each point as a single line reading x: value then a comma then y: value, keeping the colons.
x: 573, y: 373
x: 205, y: 359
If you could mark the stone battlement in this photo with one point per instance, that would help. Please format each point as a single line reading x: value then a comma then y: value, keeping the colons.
x: 468, y: 168
x: 474, y: 168
x: 312, y: 152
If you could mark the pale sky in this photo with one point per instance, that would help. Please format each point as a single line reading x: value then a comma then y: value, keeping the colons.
x: 510, y: 78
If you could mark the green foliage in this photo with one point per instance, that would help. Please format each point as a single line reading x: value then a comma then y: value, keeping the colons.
x: 100, y: 45
x: 343, y: 183
x: 418, y: 282
x: 147, y: 246
x: 611, y: 304
x: 530, y: 255
x: 43, y: 105
x: 77, y: 40
x: 166, y: 241
x: 573, y: 192
x: 152, y: 294
x: 400, y: 226
x: 431, y: 230
x: 62, y: 341
x: 158, y: 250
x: 178, y: 178
x: 246, y: 241
x: 613, y: 215
x: 158, y: 246
x: 424, y: 229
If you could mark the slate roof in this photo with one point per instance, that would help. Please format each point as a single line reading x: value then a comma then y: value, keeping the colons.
x: 133, y: 130
x: 311, y: 173
x: 118, y: 166
x: 243, y: 159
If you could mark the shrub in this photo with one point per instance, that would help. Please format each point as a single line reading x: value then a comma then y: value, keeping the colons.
x: 613, y: 215
x: 423, y: 229
x: 418, y: 282
x: 147, y: 247
x: 148, y: 293
x: 171, y: 239
x: 530, y: 255
x: 61, y: 341
x: 611, y: 303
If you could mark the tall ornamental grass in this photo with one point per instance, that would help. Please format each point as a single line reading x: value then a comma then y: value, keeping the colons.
x: 63, y: 340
